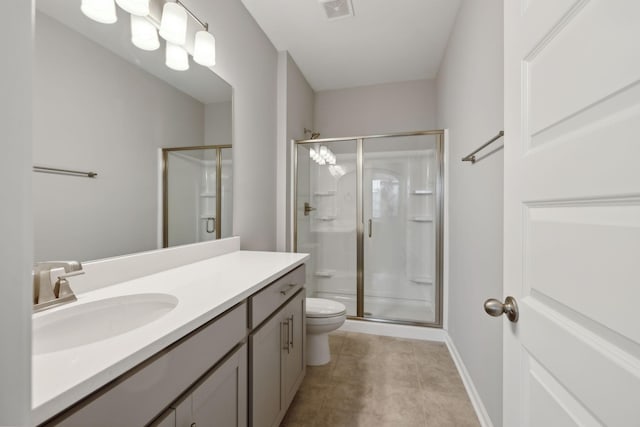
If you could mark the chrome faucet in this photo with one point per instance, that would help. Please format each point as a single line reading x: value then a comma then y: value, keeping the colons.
x: 45, y: 294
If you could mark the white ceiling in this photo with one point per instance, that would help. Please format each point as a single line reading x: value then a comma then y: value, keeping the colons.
x: 386, y: 40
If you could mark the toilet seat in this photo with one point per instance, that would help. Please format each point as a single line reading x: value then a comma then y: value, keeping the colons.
x: 322, y: 308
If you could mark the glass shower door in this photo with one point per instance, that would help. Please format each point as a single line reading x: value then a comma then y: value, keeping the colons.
x: 400, y: 189
x: 326, y: 202
x: 197, y: 194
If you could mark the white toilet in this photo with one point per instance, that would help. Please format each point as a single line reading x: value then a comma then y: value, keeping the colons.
x: 323, y: 316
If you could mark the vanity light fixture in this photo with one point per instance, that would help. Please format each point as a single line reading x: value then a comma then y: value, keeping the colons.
x: 173, y: 25
x: 135, y: 7
x: 102, y: 11
x: 176, y: 57
x: 204, y: 51
x: 143, y: 33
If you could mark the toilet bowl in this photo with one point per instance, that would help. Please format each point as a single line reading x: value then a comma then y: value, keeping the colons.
x: 323, y: 316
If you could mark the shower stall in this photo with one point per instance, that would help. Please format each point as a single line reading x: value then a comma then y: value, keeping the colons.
x: 369, y: 210
x: 197, y: 194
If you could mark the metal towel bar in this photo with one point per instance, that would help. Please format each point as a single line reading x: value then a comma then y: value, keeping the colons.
x: 45, y: 169
x: 472, y: 158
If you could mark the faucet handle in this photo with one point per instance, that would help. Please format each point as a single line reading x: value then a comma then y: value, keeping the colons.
x: 61, y: 288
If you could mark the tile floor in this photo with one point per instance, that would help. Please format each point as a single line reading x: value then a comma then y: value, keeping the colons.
x: 382, y: 381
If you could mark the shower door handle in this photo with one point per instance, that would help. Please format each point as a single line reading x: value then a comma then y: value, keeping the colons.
x: 308, y: 208
x: 370, y: 227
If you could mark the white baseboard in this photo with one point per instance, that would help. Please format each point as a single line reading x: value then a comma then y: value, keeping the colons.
x: 481, y: 411
x: 392, y: 330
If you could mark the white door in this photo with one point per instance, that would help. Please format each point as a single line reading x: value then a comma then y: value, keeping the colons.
x: 572, y: 212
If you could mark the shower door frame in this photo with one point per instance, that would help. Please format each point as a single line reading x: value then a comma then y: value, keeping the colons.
x: 165, y: 187
x: 439, y: 219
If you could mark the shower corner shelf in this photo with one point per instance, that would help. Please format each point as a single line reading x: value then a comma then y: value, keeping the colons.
x: 421, y: 192
x: 325, y: 273
x: 207, y: 194
x: 421, y: 219
x: 325, y: 193
x: 421, y: 280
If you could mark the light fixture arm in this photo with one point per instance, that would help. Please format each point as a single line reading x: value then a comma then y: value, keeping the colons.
x: 205, y: 25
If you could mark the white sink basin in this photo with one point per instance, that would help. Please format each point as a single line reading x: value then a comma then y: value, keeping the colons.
x: 79, y: 324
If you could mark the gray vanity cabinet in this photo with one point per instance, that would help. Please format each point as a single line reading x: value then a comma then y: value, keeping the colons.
x: 277, y: 362
x: 220, y: 399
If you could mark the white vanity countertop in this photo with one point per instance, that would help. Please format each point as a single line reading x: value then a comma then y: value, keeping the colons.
x: 204, y: 290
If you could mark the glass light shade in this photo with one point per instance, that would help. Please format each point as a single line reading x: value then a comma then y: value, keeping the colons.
x: 173, y: 26
x: 176, y: 57
x: 204, y: 51
x: 135, y: 7
x: 143, y: 34
x: 102, y: 11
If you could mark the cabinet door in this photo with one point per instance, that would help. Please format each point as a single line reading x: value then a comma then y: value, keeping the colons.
x: 266, y: 347
x: 168, y: 419
x: 220, y: 400
x: 293, y: 358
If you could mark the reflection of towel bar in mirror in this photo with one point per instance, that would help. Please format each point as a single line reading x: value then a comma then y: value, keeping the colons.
x: 45, y: 169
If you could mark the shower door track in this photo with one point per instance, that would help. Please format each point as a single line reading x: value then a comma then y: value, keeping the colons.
x: 439, y: 219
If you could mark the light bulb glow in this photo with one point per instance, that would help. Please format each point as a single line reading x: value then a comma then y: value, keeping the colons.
x: 173, y: 26
x: 102, y: 11
x: 204, y: 51
x: 176, y: 57
x: 143, y: 34
x: 312, y: 154
x: 323, y: 151
x: 135, y: 7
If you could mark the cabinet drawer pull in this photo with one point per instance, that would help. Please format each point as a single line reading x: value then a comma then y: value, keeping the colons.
x: 290, y: 321
x: 288, y: 289
x: 285, y: 346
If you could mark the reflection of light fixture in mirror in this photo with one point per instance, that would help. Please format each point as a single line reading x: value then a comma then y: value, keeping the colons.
x: 102, y: 11
x: 322, y: 155
x: 176, y: 57
x: 135, y: 7
x: 143, y: 33
x: 204, y: 51
x: 173, y: 26
x: 336, y: 171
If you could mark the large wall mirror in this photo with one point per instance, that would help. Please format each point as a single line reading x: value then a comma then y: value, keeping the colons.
x: 102, y: 105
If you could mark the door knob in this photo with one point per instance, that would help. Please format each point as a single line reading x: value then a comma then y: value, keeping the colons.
x: 495, y: 308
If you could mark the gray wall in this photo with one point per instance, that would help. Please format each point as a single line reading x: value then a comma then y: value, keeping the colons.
x: 218, y: 123
x: 295, y: 114
x: 247, y: 60
x: 15, y: 214
x: 470, y: 105
x: 368, y: 110
x: 95, y: 111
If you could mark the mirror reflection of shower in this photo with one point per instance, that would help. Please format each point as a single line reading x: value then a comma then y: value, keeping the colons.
x: 197, y: 202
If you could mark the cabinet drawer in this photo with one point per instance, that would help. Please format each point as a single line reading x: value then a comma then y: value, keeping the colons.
x: 145, y: 391
x: 267, y: 301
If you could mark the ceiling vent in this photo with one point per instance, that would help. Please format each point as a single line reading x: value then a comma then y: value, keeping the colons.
x: 337, y: 9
